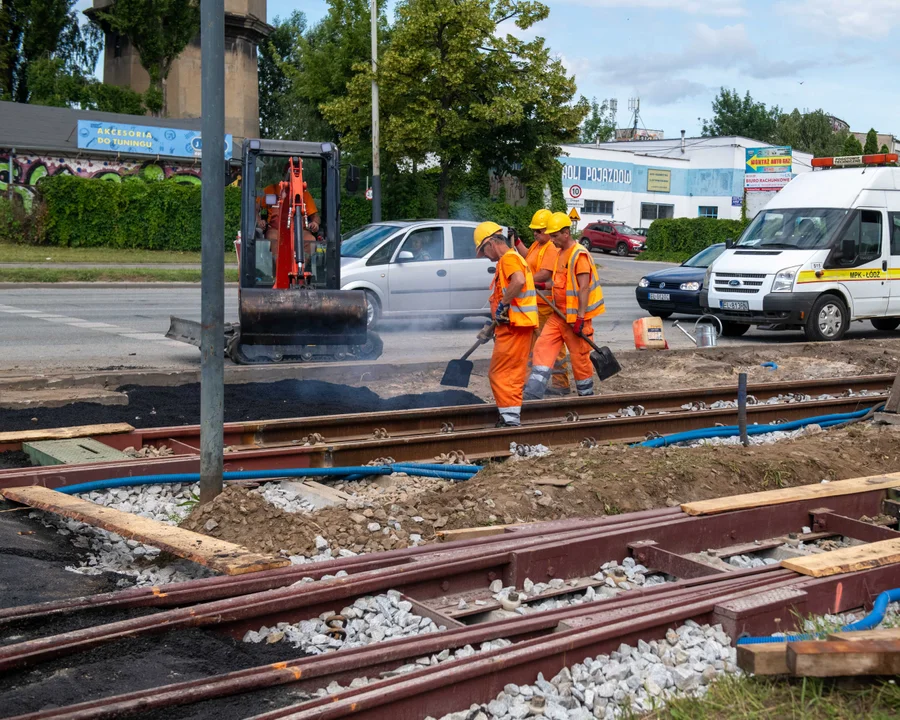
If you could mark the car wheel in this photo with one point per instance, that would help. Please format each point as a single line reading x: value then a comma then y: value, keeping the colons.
x: 587, y: 243
x: 828, y: 320
x: 373, y: 310
x: 886, y: 324
x: 622, y: 249
x: 664, y: 315
x: 733, y: 329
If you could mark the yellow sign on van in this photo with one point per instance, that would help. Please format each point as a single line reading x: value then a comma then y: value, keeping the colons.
x: 659, y: 181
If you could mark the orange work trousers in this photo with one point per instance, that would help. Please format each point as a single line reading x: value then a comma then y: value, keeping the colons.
x: 556, y: 334
x: 509, y: 370
x: 559, y: 379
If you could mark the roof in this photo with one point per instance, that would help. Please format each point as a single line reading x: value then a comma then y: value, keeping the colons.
x: 834, y: 188
x: 54, y: 129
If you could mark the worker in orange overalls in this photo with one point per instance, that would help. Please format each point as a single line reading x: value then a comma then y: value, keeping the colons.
x: 576, y: 291
x: 515, y: 312
x: 541, y: 259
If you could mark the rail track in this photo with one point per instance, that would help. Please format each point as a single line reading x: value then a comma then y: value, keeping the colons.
x: 433, y: 579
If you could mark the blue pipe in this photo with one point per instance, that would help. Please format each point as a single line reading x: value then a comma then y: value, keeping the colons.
x: 437, y: 466
x: 733, y: 430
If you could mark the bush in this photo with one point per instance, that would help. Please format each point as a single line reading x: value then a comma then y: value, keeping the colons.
x: 151, y: 216
x: 19, y: 226
x: 678, y: 239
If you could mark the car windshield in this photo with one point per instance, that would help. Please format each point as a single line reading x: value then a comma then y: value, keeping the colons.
x: 704, y: 258
x: 625, y: 230
x: 361, y: 242
x: 793, y: 229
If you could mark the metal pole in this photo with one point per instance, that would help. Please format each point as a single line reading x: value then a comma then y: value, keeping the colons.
x: 742, y: 408
x: 212, y: 287
x: 376, y: 153
x: 12, y: 178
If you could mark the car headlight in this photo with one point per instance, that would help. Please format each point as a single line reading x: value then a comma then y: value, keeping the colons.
x: 784, y: 279
x: 644, y: 283
x: 693, y: 286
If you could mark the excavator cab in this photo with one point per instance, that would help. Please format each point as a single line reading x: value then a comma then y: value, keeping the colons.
x: 291, y: 305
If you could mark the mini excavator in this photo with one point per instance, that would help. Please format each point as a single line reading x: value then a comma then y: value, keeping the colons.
x: 290, y: 302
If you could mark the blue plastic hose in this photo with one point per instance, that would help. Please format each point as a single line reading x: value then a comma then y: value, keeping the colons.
x: 879, y: 608
x: 733, y: 430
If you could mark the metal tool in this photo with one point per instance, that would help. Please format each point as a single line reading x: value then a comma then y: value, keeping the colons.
x: 604, y: 362
x: 705, y: 335
x: 459, y: 371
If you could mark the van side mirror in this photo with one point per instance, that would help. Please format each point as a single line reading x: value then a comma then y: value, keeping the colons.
x: 352, y: 183
x: 405, y: 256
x: 729, y: 243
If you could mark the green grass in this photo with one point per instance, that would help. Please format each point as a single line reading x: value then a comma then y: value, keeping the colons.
x: 54, y: 275
x: 657, y: 256
x: 10, y: 253
x: 750, y: 698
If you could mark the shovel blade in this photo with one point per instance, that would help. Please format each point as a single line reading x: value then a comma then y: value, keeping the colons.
x: 605, y: 363
x: 458, y: 373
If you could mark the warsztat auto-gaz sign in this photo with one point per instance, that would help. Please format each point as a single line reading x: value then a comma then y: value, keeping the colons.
x: 142, y: 139
x: 768, y: 168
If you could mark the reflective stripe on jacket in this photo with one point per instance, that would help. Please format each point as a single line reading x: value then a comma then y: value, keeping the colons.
x: 595, y: 304
x: 523, y: 308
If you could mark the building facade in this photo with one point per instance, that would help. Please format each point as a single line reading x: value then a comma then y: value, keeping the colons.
x: 636, y: 183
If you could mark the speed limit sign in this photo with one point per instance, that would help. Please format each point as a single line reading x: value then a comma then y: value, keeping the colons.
x: 575, y: 191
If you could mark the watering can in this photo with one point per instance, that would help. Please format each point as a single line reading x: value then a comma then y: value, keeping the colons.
x: 705, y: 335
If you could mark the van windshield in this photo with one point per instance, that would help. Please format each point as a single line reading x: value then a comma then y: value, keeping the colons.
x: 361, y: 242
x: 793, y: 229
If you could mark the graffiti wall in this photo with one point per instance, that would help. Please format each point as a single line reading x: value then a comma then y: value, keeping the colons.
x: 28, y: 169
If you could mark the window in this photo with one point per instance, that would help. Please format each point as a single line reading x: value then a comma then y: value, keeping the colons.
x: 598, y: 207
x: 860, y: 240
x: 651, y: 211
x: 383, y: 255
x: 709, y: 211
x: 425, y: 244
x: 463, y: 242
x: 895, y: 233
x: 793, y: 228
x: 604, y: 228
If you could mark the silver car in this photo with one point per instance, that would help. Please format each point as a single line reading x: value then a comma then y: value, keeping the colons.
x: 418, y: 267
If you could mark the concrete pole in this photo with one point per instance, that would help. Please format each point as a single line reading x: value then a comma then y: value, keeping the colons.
x: 376, y: 153
x: 212, y: 287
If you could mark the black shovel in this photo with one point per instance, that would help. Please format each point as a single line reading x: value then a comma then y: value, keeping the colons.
x: 604, y: 362
x: 459, y: 371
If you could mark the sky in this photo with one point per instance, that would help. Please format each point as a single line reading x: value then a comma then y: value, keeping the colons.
x: 675, y: 55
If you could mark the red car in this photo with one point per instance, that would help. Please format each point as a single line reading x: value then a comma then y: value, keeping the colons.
x: 612, y: 236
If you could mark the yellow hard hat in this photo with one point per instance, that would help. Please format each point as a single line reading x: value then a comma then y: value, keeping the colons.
x: 540, y: 219
x: 558, y: 221
x: 484, y: 231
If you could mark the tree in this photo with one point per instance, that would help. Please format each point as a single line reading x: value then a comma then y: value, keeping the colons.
x: 871, y: 146
x: 51, y: 84
x: 159, y: 30
x: 277, y: 116
x: 852, y: 145
x: 734, y: 115
x: 33, y: 30
x: 598, y: 125
x: 884, y: 149
x: 810, y: 132
x: 456, y: 93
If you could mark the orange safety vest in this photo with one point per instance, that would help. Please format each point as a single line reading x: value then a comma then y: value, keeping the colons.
x: 539, y: 251
x: 595, y: 304
x: 523, y: 308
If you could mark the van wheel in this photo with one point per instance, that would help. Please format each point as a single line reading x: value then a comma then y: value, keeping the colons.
x: 622, y: 249
x: 885, y: 324
x: 373, y: 310
x: 828, y: 320
x: 733, y: 329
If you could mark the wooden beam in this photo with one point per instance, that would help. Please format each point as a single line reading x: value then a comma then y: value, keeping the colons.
x: 763, y: 659
x: 858, y: 635
x: 893, y: 402
x: 841, y: 658
x: 78, y: 431
x: 794, y: 494
x: 219, y: 555
x: 845, y: 560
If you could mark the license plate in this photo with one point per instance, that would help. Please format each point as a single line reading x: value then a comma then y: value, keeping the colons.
x: 659, y: 296
x: 735, y: 305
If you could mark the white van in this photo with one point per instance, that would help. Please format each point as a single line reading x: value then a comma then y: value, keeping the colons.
x: 824, y: 251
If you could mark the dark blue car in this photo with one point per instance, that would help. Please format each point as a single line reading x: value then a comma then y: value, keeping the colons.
x: 677, y: 290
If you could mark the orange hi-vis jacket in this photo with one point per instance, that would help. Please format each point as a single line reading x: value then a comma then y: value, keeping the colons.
x: 523, y: 308
x: 542, y: 257
x: 566, y: 263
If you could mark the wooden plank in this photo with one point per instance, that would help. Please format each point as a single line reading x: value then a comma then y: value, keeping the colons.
x: 558, y: 482
x: 858, y: 635
x: 837, y: 658
x: 845, y: 560
x: 18, y: 436
x: 763, y: 659
x: 219, y: 555
x: 471, y: 533
x: 794, y: 494
x: 328, y: 491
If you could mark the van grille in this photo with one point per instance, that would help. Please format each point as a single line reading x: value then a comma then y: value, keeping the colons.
x: 750, y: 283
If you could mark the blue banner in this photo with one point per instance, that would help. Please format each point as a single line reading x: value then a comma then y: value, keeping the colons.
x: 142, y: 139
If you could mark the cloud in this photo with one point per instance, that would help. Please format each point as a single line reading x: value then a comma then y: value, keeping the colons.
x: 853, y: 18
x: 719, y: 8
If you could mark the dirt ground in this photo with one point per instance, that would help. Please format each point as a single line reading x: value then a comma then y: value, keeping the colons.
x: 604, y: 480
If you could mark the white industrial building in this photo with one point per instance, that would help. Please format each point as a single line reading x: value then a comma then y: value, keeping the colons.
x: 638, y: 182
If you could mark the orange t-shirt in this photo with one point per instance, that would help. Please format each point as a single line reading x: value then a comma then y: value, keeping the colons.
x: 507, y: 266
x: 561, y: 274
x: 545, y: 260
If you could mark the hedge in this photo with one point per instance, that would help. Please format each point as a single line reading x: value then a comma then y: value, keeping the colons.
x: 677, y: 239
x: 162, y: 215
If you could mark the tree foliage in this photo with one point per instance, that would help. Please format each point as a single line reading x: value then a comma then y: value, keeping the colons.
x: 277, y: 116
x: 736, y: 115
x: 852, y: 146
x: 598, y: 126
x: 51, y: 84
x: 34, y: 30
x: 159, y: 30
x: 884, y: 149
x: 871, y: 146
x: 810, y: 132
x: 456, y: 94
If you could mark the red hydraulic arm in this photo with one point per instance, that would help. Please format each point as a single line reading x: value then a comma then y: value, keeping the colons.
x: 291, y: 261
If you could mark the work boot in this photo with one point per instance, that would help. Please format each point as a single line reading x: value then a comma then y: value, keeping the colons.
x: 553, y: 391
x: 503, y: 423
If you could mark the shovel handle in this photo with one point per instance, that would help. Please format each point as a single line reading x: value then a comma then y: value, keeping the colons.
x: 478, y: 344
x: 562, y: 315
